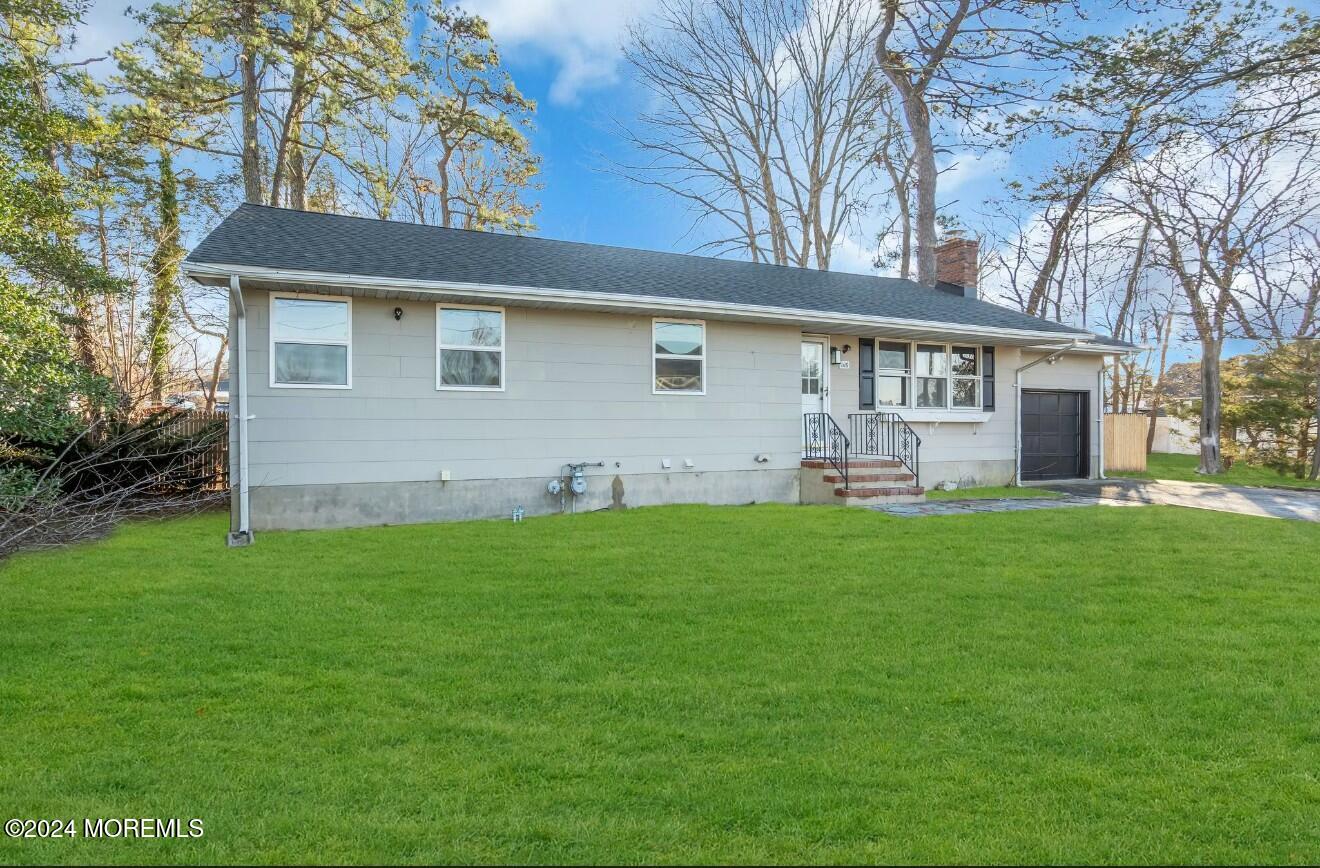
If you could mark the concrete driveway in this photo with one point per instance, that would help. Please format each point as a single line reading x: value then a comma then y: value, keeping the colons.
x: 1268, y: 502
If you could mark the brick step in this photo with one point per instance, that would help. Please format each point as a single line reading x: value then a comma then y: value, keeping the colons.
x: 880, y: 491
x: 896, y: 476
x: 855, y: 464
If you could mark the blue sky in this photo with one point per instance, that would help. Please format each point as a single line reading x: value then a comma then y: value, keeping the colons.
x: 565, y: 55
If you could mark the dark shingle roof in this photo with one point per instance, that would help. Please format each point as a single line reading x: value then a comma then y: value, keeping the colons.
x: 279, y: 238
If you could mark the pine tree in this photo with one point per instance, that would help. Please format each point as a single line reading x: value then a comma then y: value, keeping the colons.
x: 292, y: 72
x: 164, y: 276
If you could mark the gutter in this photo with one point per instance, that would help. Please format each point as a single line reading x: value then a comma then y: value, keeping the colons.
x: 502, y: 292
x: 1017, y: 406
x: 242, y: 535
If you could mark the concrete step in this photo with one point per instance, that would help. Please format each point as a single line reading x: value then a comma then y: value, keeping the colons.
x: 855, y: 463
x: 880, y: 491
x: 893, y: 476
x: 883, y: 500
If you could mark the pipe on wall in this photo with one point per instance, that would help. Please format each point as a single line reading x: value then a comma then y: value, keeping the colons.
x: 1100, y: 423
x: 243, y: 534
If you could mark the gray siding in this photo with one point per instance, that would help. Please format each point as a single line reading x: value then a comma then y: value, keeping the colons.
x: 578, y: 388
x: 977, y: 452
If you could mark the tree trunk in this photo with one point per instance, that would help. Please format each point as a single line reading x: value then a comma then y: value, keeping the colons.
x: 289, y: 160
x: 1303, y: 448
x: 923, y: 149
x: 1130, y: 288
x: 83, y: 341
x: 1060, y: 234
x: 165, y: 278
x: 214, y: 385
x: 1315, y: 446
x: 912, y: 94
x: 115, y: 362
x: 905, y: 250
x: 1212, y: 462
x: 297, y: 174
x: 251, y: 161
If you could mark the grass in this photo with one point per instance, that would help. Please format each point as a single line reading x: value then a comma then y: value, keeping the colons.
x: 992, y: 492
x: 740, y: 684
x: 1183, y: 468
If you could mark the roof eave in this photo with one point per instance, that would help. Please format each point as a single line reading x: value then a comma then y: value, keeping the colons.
x: 824, y: 321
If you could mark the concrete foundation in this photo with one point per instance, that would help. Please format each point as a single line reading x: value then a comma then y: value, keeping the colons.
x: 967, y: 474
x: 308, y: 507
x: 812, y: 488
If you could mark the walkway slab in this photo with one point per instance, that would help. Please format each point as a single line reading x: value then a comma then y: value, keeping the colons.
x: 972, y: 507
x: 1265, y: 502
x: 1242, y: 500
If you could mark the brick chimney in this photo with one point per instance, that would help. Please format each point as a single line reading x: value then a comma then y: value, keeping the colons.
x: 955, y: 263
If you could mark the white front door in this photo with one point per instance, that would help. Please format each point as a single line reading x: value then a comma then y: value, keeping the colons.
x: 814, y: 386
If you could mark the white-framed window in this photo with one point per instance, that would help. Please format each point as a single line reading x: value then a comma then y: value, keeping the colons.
x: 893, y: 368
x: 922, y: 375
x: 930, y: 381
x: 678, y: 357
x: 965, y: 393
x: 469, y: 348
x: 311, y: 341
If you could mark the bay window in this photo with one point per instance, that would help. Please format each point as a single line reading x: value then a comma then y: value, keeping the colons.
x: 925, y: 376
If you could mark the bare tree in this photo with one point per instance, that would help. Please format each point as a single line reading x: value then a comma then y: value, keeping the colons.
x: 958, y: 60
x: 1129, y: 92
x: 764, y: 121
x: 203, y: 346
x: 1156, y: 402
x: 1218, y: 201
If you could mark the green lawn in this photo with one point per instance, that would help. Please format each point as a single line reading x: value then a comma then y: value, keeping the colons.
x: 738, y: 684
x: 1183, y: 468
x: 992, y: 492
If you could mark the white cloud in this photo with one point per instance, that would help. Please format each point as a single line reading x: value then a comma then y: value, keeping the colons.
x: 961, y: 170
x: 853, y: 257
x: 583, y: 37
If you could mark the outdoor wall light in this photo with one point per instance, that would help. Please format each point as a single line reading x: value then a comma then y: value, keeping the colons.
x: 398, y: 313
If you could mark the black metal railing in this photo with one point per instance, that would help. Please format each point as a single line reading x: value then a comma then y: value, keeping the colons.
x: 886, y: 435
x: 824, y: 440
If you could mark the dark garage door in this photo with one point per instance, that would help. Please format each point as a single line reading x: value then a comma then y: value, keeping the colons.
x: 1054, y: 442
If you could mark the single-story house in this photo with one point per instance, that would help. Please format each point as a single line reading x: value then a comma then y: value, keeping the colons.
x: 388, y: 372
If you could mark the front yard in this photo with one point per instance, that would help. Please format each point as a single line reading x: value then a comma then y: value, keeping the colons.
x: 709, y: 684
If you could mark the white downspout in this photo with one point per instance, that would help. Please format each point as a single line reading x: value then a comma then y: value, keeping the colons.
x: 1017, y: 406
x: 1100, y: 423
x: 243, y: 536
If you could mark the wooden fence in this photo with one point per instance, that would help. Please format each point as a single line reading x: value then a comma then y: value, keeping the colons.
x: 1125, y: 441
x: 212, y: 462
x: 215, y: 460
